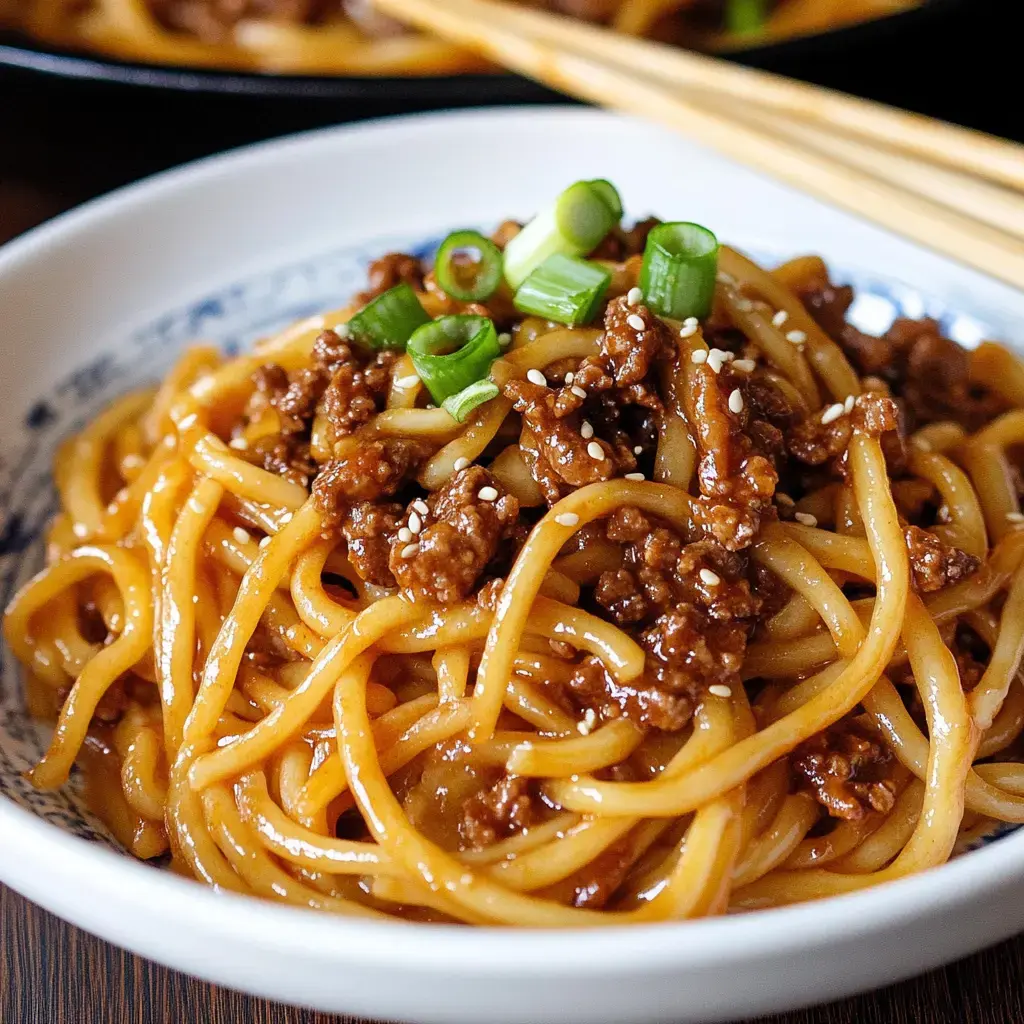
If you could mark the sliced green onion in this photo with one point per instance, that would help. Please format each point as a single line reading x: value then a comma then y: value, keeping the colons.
x: 461, y: 405
x: 453, y: 352
x: 745, y: 16
x: 679, y: 270
x: 565, y: 289
x: 389, y: 320
x: 472, y: 280
x: 572, y: 226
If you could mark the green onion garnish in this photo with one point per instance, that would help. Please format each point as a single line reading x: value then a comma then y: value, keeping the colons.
x: 389, y: 320
x: 572, y: 226
x: 565, y: 289
x: 745, y: 16
x: 470, y: 280
x: 453, y: 352
x: 679, y: 270
x: 461, y: 405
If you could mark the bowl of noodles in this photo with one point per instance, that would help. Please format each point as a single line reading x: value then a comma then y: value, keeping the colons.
x: 581, y: 596
x: 312, y: 48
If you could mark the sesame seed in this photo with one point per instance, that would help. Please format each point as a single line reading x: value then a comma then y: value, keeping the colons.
x: 636, y: 322
x: 415, y: 523
x: 487, y: 493
x: 586, y: 430
x: 712, y: 579
x: 265, y: 541
x: 504, y: 339
x: 536, y: 377
x: 744, y: 365
x: 736, y: 401
x: 567, y: 519
x: 691, y: 321
x: 460, y: 463
x: 805, y: 519
x: 407, y: 382
x: 780, y: 318
x: 242, y: 536
x: 570, y: 377
x: 849, y: 403
x: 718, y: 690
x: 112, y: 508
x: 578, y: 391
x: 687, y: 330
x: 1015, y: 517
x: 420, y: 506
x: 409, y: 550
x: 715, y: 360
x: 195, y: 599
x: 633, y: 296
x: 832, y: 413
x: 784, y: 499
x: 588, y: 723
x: 287, y: 518
x: 595, y: 451
x: 405, y: 535
x: 343, y: 330
x: 239, y: 443
x: 638, y: 449
x: 797, y: 337
x: 635, y: 476
x: 699, y: 355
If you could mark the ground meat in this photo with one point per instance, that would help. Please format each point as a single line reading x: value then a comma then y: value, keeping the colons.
x: 603, y: 875
x: 935, y: 565
x: 285, y: 454
x: 391, y: 269
x: 458, y: 535
x: 621, y: 243
x: 847, y: 771
x: 368, y: 529
x: 357, y: 391
x: 502, y: 810
x: 370, y: 471
x: 627, y: 352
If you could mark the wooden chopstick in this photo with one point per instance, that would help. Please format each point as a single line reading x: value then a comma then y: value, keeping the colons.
x: 965, y: 149
x: 496, y: 31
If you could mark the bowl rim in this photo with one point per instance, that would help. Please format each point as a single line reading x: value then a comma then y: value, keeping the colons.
x: 40, y: 851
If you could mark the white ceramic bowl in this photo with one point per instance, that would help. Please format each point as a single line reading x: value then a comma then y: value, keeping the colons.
x: 231, y: 247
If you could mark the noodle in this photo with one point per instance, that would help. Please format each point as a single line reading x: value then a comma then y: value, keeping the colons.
x: 318, y: 642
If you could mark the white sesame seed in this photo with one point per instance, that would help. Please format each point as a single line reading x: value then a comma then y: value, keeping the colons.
x: 421, y: 506
x: 797, y: 337
x: 699, y: 355
x: 832, y: 413
x: 633, y: 296
x: 242, y: 536
x: 691, y: 321
x: 1015, y: 517
x: 687, y: 331
x: 570, y: 377
x: 195, y: 599
x: 635, y: 476
x: 567, y: 519
x: 588, y: 723
x: 342, y: 330
x: 718, y: 690
x: 805, y: 519
x: 586, y: 430
x: 112, y: 508
x: 287, y: 518
x: 405, y: 535
x: 460, y: 463
x: 238, y: 443
x: 636, y: 322
x: 712, y: 579
x: 504, y: 339
x: 415, y: 523
x: 534, y: 376
x: 265, y: 541
x: 784, y: 499
x: 744, y: 365
x: 409, y: 550
x: 780, y: 318
x: 638, y: 449
x: 487, y: 493
x: 715, y: 360
x: 578, y: 391
x: 849, y: 403
x: 736, y: 401
x: 595, y: 451
x: 407, y: 382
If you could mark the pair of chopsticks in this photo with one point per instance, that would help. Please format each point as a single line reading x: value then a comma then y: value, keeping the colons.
x: 957, y: 191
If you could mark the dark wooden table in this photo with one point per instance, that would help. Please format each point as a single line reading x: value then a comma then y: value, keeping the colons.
x: 65, y: 142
